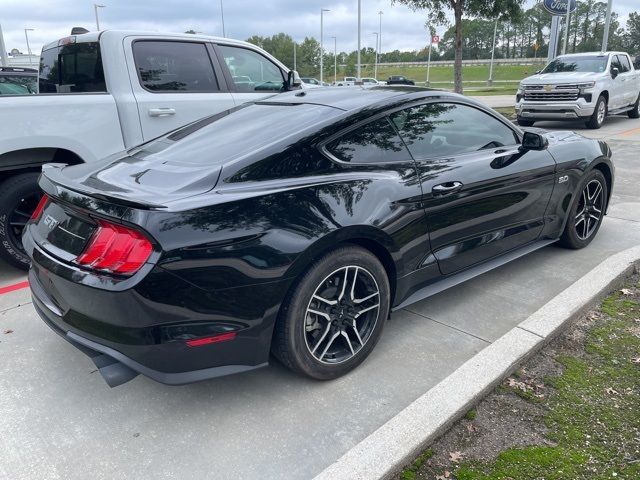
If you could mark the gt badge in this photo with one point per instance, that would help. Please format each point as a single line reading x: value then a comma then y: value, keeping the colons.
x: 563, y: 179
x: 51, y: 222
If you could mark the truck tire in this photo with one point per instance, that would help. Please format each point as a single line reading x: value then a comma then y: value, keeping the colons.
x: 599, y: 113
x: 635, y: 111
x: 19, y: 196
x: 525, y: 123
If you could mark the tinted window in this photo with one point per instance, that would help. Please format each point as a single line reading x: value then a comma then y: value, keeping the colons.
x: 624, y: 60
x: 577, y: 64
x: 251, y: 71
x: 174, y: 66
x: 615, y: 63
x: 16, y: 84
x: 73, y: 68
x: 441, y: 129
x: 375, y: 142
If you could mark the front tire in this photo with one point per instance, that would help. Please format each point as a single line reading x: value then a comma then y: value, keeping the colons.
x: 333, y: 318
x: 19, y: 196
x: 635, y: 111
x: 599, y: 113
x: 587, y: 211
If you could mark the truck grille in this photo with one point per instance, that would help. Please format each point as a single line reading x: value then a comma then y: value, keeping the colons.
x: 557, y: 93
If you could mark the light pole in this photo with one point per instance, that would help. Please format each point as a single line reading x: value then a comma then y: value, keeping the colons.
x: 565, y: 47
x: 224, y: 33
x: 375, y: 64
x: 26, y: 37
x: 295, y: 66
x: 426, y: 83
x: 493, y: 50
x: 605, y: 35
x: 322, y: 10
x: 95, y: 10
x: 335, y: 59
x: 380, y: 33
x: 358, y: 81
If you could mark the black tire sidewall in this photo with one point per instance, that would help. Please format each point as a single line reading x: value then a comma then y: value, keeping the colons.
x: 299, y: 357
x: 593, y: 121
x: 525, y: 123
x: 635, y: 111
x: 11, y: 191
x: 569, y: 237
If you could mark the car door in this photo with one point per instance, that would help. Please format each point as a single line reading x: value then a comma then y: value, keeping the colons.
x: 617, y: 94
x: 630, y: 90
x: 174, y: 82
x: 250, y: 75
x: 482, y: 195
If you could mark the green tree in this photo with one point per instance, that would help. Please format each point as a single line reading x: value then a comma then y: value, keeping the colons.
x: 633, y: 32
x: 480, y: 8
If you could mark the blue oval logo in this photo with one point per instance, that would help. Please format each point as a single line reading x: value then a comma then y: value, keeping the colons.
x: 559, y: 7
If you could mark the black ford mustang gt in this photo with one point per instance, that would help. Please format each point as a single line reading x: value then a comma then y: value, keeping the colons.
x: 294, y: 225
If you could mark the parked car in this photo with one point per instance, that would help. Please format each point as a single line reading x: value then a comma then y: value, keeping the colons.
x: 117, y: 89
x: 399, y: 80
x: 346, y: 82
x: 581, y: 86
x: 18, y: 81
x: 310, y: 82
x: 196, y: 254
x: 370, y: 81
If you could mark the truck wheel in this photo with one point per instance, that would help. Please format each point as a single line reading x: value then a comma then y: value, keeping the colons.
x: 19, y: 196
x: 597, y: 118
x: 635, y: 111
x: 525, y: 123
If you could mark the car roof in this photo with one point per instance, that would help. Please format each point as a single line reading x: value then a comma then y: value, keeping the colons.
x: 348, y: 99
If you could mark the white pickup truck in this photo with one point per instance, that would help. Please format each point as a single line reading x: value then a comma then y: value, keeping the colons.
x: 104, y: 92
x: 581, y: 86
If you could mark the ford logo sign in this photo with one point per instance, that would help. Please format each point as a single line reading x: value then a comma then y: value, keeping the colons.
x: 559, y: 7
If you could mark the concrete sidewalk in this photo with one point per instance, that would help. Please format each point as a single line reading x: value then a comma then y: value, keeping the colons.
x: 495, y: 101
x: 58, y: 419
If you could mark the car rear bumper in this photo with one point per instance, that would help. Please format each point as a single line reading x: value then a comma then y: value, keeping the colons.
x: 128, y: 332
x: 553, y: 111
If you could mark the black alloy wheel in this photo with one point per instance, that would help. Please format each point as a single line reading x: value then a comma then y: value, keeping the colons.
x: 20, y: 196
x: 587, y: 212
x: 334, y: 315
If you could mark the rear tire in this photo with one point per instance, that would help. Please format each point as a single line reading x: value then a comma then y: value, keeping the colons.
x: 579, y: 231
x: 635, y: 111
x: 525, y: 123
x: 19, y: 196
x: 332, y: 319
x: 599, y: 114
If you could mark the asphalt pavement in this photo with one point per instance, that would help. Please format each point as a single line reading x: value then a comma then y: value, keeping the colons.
x: 58, y: 419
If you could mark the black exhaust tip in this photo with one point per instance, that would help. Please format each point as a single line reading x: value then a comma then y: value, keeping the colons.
x: 113, y: 372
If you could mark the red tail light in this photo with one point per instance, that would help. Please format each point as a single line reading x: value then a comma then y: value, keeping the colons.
x: 116, y: 249
x: 222, y: 337
x: 41, y: 204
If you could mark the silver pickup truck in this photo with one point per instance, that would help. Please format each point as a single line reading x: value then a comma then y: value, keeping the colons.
x: 581, y: 86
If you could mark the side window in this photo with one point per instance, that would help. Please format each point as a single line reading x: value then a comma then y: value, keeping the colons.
x: 441, y: 129
x: 174, y: 66
x: 624, y: 61
x: 375, y: 142
x: 251, y: 72
x: 615, y: 63
x: 72, y: 68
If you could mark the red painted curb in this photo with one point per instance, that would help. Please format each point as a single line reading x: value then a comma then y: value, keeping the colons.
x: 14, y: 287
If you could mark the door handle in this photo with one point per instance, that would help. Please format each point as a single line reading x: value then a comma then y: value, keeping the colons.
x: 446, y: 188
x: 161, y: 112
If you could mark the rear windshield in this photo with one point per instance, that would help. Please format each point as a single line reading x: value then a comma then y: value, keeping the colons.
x: 229, y: 135
x: 72, y: 68
x: 577, y: 64
x: 16, y: 84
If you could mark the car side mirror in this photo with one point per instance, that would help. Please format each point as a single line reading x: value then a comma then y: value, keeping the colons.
x: 293, y: 81
x: 533, y: 141
x: 614, y: 72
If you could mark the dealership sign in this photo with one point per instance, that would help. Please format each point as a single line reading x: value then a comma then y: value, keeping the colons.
x: 559, y: 7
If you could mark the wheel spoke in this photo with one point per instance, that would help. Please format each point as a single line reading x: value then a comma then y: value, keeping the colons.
x: 344, y: 334
x: 344, y: 283
x: 367, y: 309
x: 596, y: 191
x: 355, y: 330
x: 361, y: 300
x: 322, y: 314
x: 329, y: 343
x: 324, y: 300
x: 587, y: 227
x: 324, y: 335
x: 353, y: 284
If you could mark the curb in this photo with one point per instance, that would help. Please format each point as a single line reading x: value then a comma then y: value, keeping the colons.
x: 396, y: 443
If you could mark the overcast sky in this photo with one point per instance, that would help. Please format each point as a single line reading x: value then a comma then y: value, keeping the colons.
x: 401, y: 28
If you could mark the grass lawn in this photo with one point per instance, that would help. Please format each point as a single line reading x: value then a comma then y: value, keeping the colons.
x: 573, y: 411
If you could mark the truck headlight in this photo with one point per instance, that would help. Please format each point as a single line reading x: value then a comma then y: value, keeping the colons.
x: 586, y: 86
